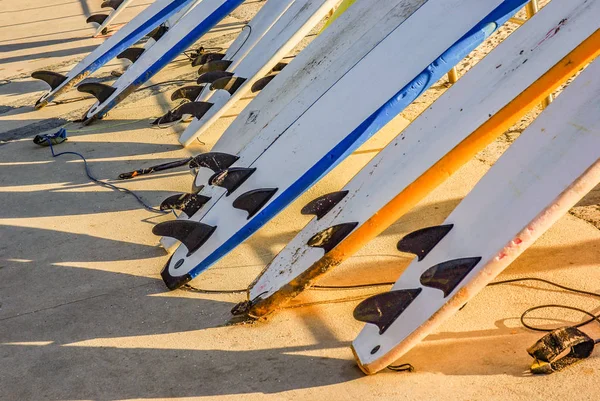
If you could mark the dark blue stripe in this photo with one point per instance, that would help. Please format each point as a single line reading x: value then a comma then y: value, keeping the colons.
x: 204, y: 26
x: 370, y: 126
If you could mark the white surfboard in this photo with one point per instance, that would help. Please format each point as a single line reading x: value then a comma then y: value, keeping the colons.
x: 142, y: 24
x: 312, y: 133
x: 297, y: 21
x: 117, y: 5
x: 186, y: 31
x: 544, y: 173
x: 490, y: 85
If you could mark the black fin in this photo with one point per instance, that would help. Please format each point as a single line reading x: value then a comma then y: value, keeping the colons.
x: 383, y: 309
x: 158, y: 32
x: 192, y: 234
x: 323, y: 204
x: 210, y: 77
x: 98, y: 18
x: 231, y: 178
x: 196, y: 109
x: 230, y: 84
x: 207, y: 58
x: 279, y: 66
x: 330, y: 237
x: 253, y: 201
x: 422, y: 241
x: 174, y: 282
x: 54, y: 79
x: 187, y: 203
x: 190, y: 93
x: 216, y: 65
x: 261, y: 83
x: 114, y: 4
x: 131, y: 54
x: 447, y: 275
x: 98, y: 90
x: 213, y: 160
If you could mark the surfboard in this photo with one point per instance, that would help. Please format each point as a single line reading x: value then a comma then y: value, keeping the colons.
x: 534, y: 60
x: 190, y: 28
x: 217, y: 65
x: 261, y: 191
x: 136, y: 29
x: 344, y: 5
x: 301, y: 17
x: 103, y: 20
x: 544, y: 173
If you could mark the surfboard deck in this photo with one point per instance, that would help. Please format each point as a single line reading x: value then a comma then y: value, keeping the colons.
x: 261, y: 191
x: 544, y: 173
x: 141, y: 25
x: 297, y: 21
x: 402, y: 174
x: 190, y: 28
x: 111, y: 16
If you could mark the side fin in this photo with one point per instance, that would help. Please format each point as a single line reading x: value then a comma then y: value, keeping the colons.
x: 190, y: 93
x: 383, y: 309
x: 196, y: 109
x: 253, y: 201
x: 215, y: 161
x: 230, y: 84
x: 187, y: 203
x: 422, y: 241
x: 98, y: 90
x: 207, y: 58
x: 191, y: 233
x: 131, y: 54
x: 158, y: 32
x: 210, y: 77
x: 216, y: 65
x: 323, y: 204
x: 231, y: 178
x: 330, y: 237
x: 54, y: 79
x: 446, y: 276
x: 279, y: 66
x: 261, y: 83
x: 97, y: 18
x: 114, y: 4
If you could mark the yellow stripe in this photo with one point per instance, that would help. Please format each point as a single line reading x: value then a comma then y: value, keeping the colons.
x: 339, y: 11
x: 439, y: 172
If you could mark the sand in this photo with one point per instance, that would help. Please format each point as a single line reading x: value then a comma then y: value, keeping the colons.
x: 84, y: 314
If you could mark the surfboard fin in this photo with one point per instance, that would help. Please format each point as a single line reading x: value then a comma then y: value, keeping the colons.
x: 215, y: 65
x: 279, y: 66
x: 231, y: 178
x: 131, y: 54
x: 330, y: 237
x: 190, y: 93
x: 253, y: 201
x: 207, y: 58
x: 323, y: 204
x: 447, y: 275
x: 98, y: 90
x: 54, y: 79
x: 215, y: 161
x: 230, y: 84
x: 550, y: 352
x: 187, y: 203
x: 192, y: 234
x: 97, y: 18
x: 158, y: 32
x: 210, y: 77
x: 422, y: 241
x: 196, y: 109
x: 261, y: 83
x: 383, y: 309
x: 174, y: 282
x: 114, y: 4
